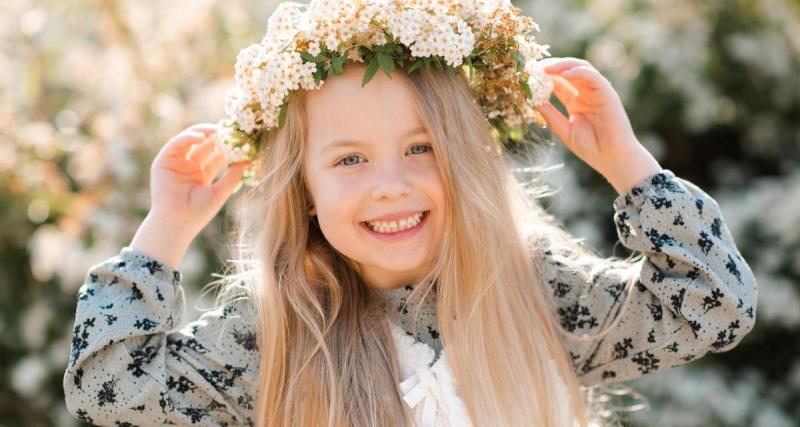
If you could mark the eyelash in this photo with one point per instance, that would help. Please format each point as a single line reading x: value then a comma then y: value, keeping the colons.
x: 339, y: 163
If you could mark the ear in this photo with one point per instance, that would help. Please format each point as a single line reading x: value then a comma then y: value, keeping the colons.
x: 312, y: 209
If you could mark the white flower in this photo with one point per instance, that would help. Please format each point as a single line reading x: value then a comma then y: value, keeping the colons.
x: 28, y: 375
x: 265, y: 73
x: 313, y: 48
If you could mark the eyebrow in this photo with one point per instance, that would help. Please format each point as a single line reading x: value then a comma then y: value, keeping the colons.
x: 351, y: 142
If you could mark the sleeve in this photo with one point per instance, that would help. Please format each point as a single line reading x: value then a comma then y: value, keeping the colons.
x: 127, y: 366
x: 689, y: 293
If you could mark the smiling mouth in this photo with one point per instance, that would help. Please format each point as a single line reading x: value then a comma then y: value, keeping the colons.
x: 396, y: 227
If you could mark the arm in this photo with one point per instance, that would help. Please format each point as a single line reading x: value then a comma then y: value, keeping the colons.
x: 690, y: 293
x: 128, y: 364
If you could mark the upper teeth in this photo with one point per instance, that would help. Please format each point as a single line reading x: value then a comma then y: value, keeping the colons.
x: 395, y: 226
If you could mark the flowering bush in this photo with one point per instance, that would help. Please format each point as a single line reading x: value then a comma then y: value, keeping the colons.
x: 89, y: 91
x: 712, y: 92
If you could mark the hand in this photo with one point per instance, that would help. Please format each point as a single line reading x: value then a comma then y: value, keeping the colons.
x: 598, y: 130
x: 181, y: 179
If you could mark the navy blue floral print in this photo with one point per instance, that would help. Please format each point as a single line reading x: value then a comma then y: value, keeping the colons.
x: 129, y: 366
x: 692, y: 293
x: 685, y: 249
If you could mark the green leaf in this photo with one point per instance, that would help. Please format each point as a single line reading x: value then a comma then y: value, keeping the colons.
x: 415, y: 65
x: 526, y: 88
x: 317, y: 77
x: 319, y: 58
x: 386, y: 63
x: 337, y: 62
x: 438, y: 62
x: 371, y: 69
x: 284, y: 105
x: 307, y: 56
x: 520, y: 60
x: 469, y: 64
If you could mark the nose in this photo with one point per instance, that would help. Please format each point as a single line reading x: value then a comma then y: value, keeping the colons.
x: 391, y: 181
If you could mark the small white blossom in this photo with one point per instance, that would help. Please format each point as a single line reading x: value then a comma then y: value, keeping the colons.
x: 267, y: 72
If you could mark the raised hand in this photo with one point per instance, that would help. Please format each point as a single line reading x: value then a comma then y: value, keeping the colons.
x: 182, y: 187
x: 597, y: 130
x: 184, y: 196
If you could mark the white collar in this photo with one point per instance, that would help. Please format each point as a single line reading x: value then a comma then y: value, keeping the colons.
x: 429, y: 390
x: 401, y: 309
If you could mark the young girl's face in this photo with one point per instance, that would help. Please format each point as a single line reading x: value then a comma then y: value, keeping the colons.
x: 369, y: 157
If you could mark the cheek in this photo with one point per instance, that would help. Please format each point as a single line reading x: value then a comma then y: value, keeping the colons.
x: 336, y: 209
x: 435, y: 187
x: 334, y: 196
x: 435, y: 190
x: 337, y: 222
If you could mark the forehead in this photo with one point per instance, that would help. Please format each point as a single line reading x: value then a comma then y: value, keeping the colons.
x: 383, y: 110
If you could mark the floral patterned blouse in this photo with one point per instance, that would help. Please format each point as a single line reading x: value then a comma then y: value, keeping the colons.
x: 131, y: 364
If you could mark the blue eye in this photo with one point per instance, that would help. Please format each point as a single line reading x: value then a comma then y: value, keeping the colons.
x: 429, y: 148
x: 344, y: 163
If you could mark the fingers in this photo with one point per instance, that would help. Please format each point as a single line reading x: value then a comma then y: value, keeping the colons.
x: 206, y: 128
x: 199, y: 153
x: 215, y: 162
x: 559, y: 65
x: 577, y: 84
x: 565, y: 91
x: 556, y: 121
x: 563, y: 88
x: 587, y: 76
x: 195, y: 133
x: 579, y: 72
x: 230, y: 180
x: 183, y: 141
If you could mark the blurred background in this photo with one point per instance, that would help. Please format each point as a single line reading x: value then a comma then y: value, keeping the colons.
x: 90, y: 91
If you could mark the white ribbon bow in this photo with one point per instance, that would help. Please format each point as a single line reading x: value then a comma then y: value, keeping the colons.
x: 422, y: 387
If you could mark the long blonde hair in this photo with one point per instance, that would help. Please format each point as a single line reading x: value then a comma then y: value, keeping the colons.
x: 326, y: 353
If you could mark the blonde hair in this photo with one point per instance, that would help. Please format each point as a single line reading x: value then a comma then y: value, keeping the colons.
x: 326, y: 352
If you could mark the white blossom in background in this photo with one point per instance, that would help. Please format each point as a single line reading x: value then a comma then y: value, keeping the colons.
x: 90, y: 92
x: 28, y: 375
x: 48, y: 246
x: 728, y: 398
x: 34, y: 323
x: 675, y: 39
x: 748, y: 207
x: 778, y: 301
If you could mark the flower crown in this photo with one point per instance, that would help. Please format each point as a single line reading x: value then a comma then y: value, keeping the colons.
x: 488, y: 41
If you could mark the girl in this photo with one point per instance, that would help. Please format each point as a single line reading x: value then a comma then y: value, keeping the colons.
x: 319, y: 324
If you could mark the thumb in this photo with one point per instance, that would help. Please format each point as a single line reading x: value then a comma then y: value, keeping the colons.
x: 556, y: 121
x: 228, y: 182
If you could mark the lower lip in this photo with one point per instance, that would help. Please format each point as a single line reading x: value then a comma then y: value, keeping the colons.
x: 400, y: 235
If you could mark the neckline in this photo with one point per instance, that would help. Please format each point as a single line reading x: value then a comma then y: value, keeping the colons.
x: 400, y: 309
x: 414, y: 352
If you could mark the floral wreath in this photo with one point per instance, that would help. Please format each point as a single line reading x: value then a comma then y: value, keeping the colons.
x: 489, y: 42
